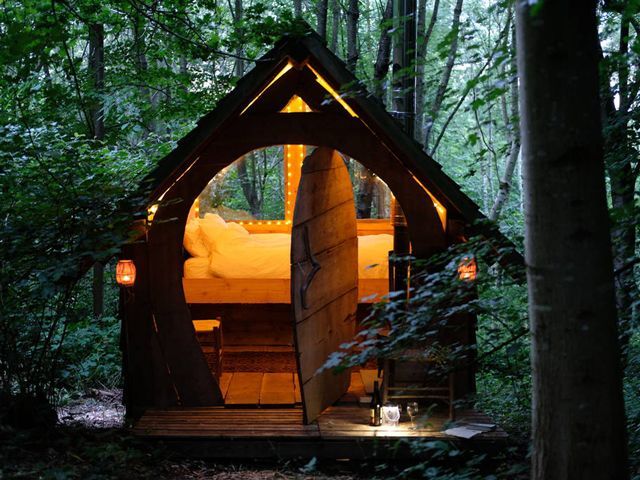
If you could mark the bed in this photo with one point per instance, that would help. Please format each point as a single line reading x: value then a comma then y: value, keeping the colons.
x: 230, y: 265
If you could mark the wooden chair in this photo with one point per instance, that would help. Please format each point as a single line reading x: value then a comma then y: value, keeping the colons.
x: 209, y: 335
x: 407, y: 380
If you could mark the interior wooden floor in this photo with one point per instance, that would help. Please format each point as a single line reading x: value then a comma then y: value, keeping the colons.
x: 252, y: 389
x: 278, y: 385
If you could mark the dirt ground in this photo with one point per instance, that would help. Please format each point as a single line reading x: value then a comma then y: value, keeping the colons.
x: 95, y: 409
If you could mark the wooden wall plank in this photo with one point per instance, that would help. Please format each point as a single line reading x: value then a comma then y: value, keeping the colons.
x: 296, y: 388
x: 237, y: 290
x: 262, y: 290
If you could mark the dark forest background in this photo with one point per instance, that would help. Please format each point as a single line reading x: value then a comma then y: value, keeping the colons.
x: 93, y: 94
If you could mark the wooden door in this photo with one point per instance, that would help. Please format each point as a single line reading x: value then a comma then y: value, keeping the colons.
x: 324, y: 276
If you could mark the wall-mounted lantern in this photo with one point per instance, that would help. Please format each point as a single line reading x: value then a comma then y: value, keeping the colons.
x: 125, y: 273
x: 468, y: 269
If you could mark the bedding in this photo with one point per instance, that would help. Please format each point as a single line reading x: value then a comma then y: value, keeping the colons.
x: 227, y: 250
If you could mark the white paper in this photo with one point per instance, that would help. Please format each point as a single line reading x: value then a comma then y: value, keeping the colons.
x: 462, y: 432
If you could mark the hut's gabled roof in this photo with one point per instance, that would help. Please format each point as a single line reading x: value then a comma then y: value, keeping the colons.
x: 309, y: 54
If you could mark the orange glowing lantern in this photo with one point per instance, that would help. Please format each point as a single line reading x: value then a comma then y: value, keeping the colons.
x: 468, y: 269
x: 125, y: 273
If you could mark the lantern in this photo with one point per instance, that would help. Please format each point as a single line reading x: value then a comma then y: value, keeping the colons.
x: 468, y: 269
x: 125, y: 273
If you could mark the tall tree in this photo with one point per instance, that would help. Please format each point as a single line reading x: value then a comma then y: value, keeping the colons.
x: 620, y: 155
x: 96, y: 69
x: 238, y: 17
x: 383, y: 58
x: 424, y: 33
x: 510, y: 116
x: 335, y: 25
x: 321, y: 18
x: 353, y: 14
x: 578, y: 410
x: 445, y: 77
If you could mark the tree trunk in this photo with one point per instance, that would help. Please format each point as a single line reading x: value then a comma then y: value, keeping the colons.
x: 297, y: 8
x: 434, y: 109
x: 321, y: 18
x: 246, y: 169
x: 142, y: 67
x: 404, y: 62
x: 381, y: 67
x: 96, y: 70
x: 365, y: 192
x: 335, y: 25
x: 238, y: 14
x: 578, y: 410
x: 619, y: 157
x: 421, y: 58
x: 513, y: 135
x: 353, y: 13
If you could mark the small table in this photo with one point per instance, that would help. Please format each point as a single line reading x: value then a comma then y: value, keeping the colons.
x: 209, y: 335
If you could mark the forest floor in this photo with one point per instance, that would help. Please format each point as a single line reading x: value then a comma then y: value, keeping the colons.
x: 91, y: 442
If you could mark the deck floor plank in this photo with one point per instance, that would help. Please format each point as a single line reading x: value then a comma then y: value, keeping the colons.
x: 244, y: 389
x: 225, y: 380
x: 277, y: 389
x: 337, y: 422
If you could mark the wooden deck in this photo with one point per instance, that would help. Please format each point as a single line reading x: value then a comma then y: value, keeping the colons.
x: 340, y: 432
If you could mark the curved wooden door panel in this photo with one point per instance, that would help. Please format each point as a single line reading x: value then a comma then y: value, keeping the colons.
x: 324, y: 276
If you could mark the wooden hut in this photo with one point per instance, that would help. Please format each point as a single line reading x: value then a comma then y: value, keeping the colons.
x: 302, y: 97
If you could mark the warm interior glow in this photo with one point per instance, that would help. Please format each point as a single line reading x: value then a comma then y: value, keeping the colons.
x: 440, y: 209
x: 286, y: 68
x: 125, y: 273
x: 468, y: 269
x: 151, y: 212
x: 332, y: 92
x: 293, y: 158
x: 323, y: 83
x: 296, y: 105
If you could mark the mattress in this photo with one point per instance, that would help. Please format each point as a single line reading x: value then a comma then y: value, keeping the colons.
x: 235, y: 253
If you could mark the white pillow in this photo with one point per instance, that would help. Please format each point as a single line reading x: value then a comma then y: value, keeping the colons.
x: 213, y: 229
x: 193, y: 241
x: 238, y: 229
x: 215, y: 218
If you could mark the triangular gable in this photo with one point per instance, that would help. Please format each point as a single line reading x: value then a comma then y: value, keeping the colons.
x: 306, y: 67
